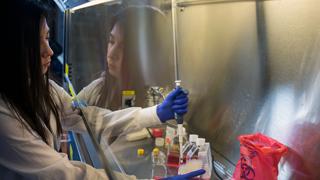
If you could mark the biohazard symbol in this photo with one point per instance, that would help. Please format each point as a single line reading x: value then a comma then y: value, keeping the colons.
x: 247, y: 172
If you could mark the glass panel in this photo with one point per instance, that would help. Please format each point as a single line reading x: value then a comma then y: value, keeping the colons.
x: 117, y: 52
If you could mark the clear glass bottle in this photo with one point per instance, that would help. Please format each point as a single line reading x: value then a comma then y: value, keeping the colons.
x: 159, y: 169
x: 158, y: 135
x: 170, y: 132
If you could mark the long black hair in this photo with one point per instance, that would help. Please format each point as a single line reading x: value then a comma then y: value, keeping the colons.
x: 24, y: 88
x: 110, y: 92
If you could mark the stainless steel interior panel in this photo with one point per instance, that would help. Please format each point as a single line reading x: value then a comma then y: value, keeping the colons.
x: 293, y: 36
x: 253, y: 66
x: 220, y: 65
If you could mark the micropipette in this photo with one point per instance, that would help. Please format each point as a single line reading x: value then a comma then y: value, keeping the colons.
x: 179, y: 120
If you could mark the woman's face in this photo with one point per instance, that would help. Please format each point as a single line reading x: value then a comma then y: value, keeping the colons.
x: 45, y: 50
x: 115, y: 51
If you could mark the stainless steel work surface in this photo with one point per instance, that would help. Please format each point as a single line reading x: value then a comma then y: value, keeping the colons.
x: 126, y: 154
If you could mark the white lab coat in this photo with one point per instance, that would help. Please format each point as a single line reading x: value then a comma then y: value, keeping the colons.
x: 91, y: 93
x: 23, y: 154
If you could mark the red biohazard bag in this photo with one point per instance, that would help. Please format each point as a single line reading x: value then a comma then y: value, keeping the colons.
x: 259, y: 158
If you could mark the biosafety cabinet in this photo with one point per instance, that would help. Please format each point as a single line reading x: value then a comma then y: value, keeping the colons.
x: 249, y: 66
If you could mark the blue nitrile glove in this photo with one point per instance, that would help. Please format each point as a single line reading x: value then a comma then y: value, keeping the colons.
x: 175, y: 102
x: 186, y: 176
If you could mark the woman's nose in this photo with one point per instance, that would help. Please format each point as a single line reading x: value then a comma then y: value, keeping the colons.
x: 113, y: 52
x: 49, y: 51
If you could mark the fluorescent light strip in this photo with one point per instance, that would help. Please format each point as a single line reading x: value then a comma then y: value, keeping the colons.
x: 93, y: 3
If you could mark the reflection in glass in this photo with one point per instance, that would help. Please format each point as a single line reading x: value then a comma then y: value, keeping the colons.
x: 114, y: 50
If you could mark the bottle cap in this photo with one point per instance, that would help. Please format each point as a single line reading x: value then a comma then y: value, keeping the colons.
x: 201, y: 141
x: 140, y: 152
x: 159, y: 142
x: 157, y: 132
x: 155, y: 151
x: 193, y: 138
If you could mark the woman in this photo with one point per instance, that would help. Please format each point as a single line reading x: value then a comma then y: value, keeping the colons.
x: 32, y: 114
x: 106, y: 91
x: 124, y: 55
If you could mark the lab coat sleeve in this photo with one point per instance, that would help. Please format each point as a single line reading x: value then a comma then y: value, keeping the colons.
x: 24, y: 152
x: 105, y: 122
x: 90, y: 94
x: 70, y: 120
